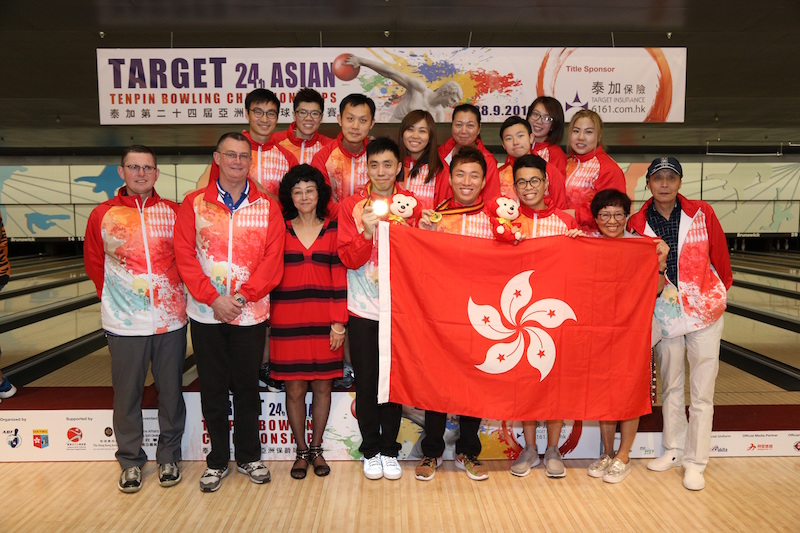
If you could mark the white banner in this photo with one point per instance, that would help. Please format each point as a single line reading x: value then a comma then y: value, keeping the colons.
x: 209, y: 85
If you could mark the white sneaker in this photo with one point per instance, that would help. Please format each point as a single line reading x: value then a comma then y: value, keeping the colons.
x: 391, y: 467
x: 373, y: 468
x: 693, y: 479
x: 670, y: 459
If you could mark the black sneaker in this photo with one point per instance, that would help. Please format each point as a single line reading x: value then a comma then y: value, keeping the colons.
x: 263, y: 375
x: 131, y: 479
x: 347, y: 379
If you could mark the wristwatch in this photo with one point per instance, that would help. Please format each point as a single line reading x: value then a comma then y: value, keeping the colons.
x: 239, y: 298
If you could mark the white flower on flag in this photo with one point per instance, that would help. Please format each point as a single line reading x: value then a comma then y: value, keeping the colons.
x: 522, y: 336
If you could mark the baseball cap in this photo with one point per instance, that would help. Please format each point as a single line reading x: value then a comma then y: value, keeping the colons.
x: 660, y: 163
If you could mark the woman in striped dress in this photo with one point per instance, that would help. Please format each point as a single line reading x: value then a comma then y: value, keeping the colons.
x: 309, y: 312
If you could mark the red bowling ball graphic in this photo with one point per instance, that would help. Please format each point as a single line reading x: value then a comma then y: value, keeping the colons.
x: 342, y: 71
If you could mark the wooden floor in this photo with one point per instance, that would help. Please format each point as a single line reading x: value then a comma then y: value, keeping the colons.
x: 742, y: 494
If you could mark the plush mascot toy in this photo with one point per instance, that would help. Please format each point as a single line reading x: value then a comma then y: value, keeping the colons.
x: 503, y: 212
x: 404, y: 209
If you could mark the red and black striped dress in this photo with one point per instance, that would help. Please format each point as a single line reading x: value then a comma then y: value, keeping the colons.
x: 311, y: 296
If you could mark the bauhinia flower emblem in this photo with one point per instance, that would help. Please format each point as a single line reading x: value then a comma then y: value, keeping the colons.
x: 516, y: 324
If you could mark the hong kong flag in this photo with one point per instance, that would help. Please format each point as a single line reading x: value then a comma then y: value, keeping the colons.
x: 553, y: 328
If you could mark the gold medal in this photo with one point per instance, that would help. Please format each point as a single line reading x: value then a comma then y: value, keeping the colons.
x: 435, y: 217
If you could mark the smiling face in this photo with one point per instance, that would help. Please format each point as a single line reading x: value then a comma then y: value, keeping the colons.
x: 530, y: 185
x: 611, y: 221
x: 305, y: 120
x: 416, y: 139
x: 233, y: 158
x: 305, y: 197
x: 382, y: 169
x: 142, y: 180
x: 517, y: 140
x: 541, y: 122
x: 584, y: 136
x: 467, y: 181
x: 465, y: 128
x: 262, y: 127
x: 356, y: 121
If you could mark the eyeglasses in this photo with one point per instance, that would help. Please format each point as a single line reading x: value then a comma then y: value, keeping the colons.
x: 524, y: 184
x: 258, y: 113
x: 136, y: 168
x: 605, y: 217
x: 234, y: 156
x: 544, y: 118
x: 303, y: 113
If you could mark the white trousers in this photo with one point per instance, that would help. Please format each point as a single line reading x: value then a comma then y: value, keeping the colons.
x: 701, y: 349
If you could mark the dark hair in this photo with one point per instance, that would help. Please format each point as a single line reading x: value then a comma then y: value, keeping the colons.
x: 357, y: 99
x: 382, y: 144
x: 467, y: 108
x: 610, y: 198
x: 295, y: 175
x: 261, y: 95
x: 530, y: 161
x: 235, y: 135
x: 310, y: 96
x: 512, y: 121
x: 555, y: 110
x: 430, y: 155
x: 468, y: 154
x: 138, y: 149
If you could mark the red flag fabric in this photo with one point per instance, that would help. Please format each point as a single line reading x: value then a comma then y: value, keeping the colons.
x: 553, y: 328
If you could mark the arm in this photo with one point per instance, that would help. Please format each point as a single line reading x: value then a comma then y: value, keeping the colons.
x: 556, y: 190
x: 338, y: 302
x: 270, y: 271
x: 718, y: 247
x: 492, y: 187
x: 412, y: 84
x: 192, y: 275
x: 93, y: 250
x: 662, y: 250
x: 353, y: 248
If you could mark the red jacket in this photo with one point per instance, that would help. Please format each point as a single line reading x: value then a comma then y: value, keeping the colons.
x: 544, y: 222
x: 344, y: 171
x: 129, y: 254
x: 223, y: 252
x: 587, y: 174
x: 704, y: 270
x: 303, y: 150
x: 553, y: 154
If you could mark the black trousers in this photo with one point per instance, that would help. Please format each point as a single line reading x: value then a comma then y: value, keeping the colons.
x: 379, y: 424
x: 468, y: 443
x: 228, y: 358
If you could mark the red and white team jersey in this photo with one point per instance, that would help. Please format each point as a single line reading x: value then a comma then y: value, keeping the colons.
x: 303, y: 150
x: 344, y: 171
x: 428, y: 194
x: 587, y: 174
x: 544, y: 222
x: 552, y: 153
x: 554, y: 194
x: 470, y: 221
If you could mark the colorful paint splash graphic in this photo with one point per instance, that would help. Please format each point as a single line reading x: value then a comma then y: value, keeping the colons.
x: 475, y: 83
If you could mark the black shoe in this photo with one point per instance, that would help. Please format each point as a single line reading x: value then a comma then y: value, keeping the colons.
x: 347, y: 379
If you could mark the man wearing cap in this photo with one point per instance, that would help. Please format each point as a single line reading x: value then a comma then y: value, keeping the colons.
x: 689, y: 311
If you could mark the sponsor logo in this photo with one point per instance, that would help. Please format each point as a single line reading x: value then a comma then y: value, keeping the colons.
x: 108, y: 432
x: 759, y: 447
x: 12, y: 438
x: 74, y: 434
x: 797, y: 446
x: 41, y: 438
x: 646, y: 451
x: 719, y: 449
x: 576, y: 103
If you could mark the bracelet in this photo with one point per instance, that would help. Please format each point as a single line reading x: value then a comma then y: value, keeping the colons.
x: 661, y: 272
x: 337, y: 332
